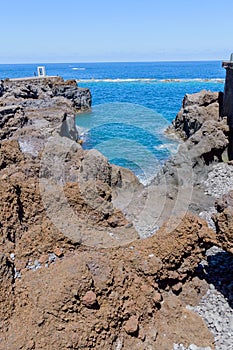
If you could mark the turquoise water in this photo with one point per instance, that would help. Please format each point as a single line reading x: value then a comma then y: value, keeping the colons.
x: 133, y: 103
x: 129, y: 135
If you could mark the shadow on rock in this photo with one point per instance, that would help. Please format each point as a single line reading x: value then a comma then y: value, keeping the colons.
x: 218, y: 271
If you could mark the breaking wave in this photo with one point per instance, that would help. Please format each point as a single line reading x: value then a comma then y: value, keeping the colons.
x: 151, y: 80
x: 78, y: 68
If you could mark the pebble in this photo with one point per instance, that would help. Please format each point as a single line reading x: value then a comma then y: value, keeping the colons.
x: 220, y: 180
x: 157, y: 298
x: 191, y: 347
x: 217, y: 269
x: 52, y: 257
x: 89, y: 299
x: 215, y: 307
x: 33, y: 265
x: 131, y: 326
x: 58, y: 252
x: 12, y: 256
x: 207, y: 216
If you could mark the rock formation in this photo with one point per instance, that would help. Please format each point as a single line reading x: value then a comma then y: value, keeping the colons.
x: 205, y: 132
x: 196, y: 110
x: 73, y: 270
x: 101, y: 298
x: 224, y: 221
x: 40, y: 107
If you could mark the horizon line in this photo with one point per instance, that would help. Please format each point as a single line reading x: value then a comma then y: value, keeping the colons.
x: 110, y: 61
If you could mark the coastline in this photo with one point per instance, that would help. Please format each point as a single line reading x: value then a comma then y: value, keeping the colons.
x: 109, y: 201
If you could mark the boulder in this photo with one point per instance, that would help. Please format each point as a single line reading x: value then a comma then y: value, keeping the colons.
x: 224, y: 222
x: 209, y: 142
x: 26, y: 92
x: 196, y: 109
x: 47, y: 105
x: 68, y: 127
x: 12, y: 118
x: 94, y: 167
x: 89, y: 299
x: 203, y: 99
x: 131, y: 325
x: 1, y: 88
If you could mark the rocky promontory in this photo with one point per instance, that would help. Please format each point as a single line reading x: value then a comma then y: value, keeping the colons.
x: 74, y: 271
x: 40, y: 107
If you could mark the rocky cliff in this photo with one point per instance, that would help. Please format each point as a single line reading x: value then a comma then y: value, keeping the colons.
x: 40, y: 107
x: 73, y: 268
x: 196, y: 110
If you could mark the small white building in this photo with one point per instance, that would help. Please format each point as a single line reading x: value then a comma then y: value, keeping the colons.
x: 41, y: 71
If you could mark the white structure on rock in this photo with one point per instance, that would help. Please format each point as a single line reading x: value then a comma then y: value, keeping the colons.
x: 41, y: 71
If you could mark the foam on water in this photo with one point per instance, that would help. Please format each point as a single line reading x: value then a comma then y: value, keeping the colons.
x: 148, y: 80
x: 132, y: 102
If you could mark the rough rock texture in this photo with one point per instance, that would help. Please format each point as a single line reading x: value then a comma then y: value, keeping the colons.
x: 1, y: 88
x: 209, y: 142
x: 61, y: 206
x: 12, y: 118
x: 6, y: 289
x: 26, y: 190
x: 196, y: 109
x: 44, y: 89
x: 108, y: 299
x: 219, y: 181
x: 216, y: 305
x: 199, y: 121
x: 206, y: 141
x: 33, y: 109
x: 224, y: 221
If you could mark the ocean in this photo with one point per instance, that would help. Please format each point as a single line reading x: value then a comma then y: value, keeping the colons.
x: 133, y: 103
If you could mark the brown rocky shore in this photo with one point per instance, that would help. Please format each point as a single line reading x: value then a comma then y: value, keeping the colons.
x: 74, y: 272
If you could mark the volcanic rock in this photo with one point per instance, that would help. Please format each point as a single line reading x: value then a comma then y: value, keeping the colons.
x: 196, y: 109
x: 224, y: 221
x: 131, y: 326
x: 89, y: 299
x: 58, y: 200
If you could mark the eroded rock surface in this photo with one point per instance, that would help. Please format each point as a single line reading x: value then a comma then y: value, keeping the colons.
x: 60, y: 206
x: 224, y: 221
x: 32, y: 110
x: 196, y: 110
x: 100, y: 298
x: 199, y: 122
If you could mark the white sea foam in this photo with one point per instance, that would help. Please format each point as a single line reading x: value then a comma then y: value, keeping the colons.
x: 78, y: 68
x: 82, y: 131
x: 172, y: 148
x: 150, y: 80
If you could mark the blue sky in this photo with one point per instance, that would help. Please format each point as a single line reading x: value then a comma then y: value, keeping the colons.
x: 120, y: 30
